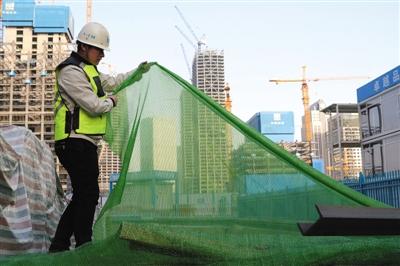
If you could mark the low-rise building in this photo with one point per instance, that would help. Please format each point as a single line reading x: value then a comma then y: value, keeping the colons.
x: 379, y: 109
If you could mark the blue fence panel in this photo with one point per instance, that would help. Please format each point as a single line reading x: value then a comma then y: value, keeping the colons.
x: 384, y: 187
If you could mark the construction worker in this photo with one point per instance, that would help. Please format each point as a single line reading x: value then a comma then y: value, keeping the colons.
x: 80, y: 122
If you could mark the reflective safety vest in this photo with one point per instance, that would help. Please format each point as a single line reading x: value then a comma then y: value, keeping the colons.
x: 79, y: 120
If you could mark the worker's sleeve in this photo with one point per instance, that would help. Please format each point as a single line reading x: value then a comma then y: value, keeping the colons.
x: 73, y: 83
x: 109, y: 82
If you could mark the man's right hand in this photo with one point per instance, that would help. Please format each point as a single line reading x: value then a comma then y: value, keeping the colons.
x: 114, y: 99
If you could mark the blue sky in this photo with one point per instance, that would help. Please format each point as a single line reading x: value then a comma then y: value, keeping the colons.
x: 261, y: 40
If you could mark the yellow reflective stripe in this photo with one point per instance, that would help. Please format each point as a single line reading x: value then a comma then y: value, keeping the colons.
x: 88, y: 125
x: 57, y: 108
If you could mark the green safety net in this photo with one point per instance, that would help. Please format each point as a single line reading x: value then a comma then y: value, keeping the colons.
x: 199, y: 186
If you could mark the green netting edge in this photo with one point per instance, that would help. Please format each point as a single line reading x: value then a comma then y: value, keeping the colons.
x: 239, y: 125
x: 116, y: 195
x: 274, y: 148
x: 135, y: 76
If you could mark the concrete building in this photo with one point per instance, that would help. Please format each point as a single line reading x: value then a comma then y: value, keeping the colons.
x: 379, y: 110
x: 109, y: 164
x: 343, y: 141
x: 35, y: 39
x: 205, y: 141
x: 319, y: 151
x: 158, y: 144
x: 318, y: 125
x: 277, y: 126
x: 209, y: 73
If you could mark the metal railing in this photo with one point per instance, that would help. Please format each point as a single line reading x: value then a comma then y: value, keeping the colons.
x: 383, y: 187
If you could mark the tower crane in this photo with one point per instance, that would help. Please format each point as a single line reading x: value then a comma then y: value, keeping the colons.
x: 305, y: 97
x: 185, y: 36
x: 184, y: 52
x: 201, y: 42
x: 186, y: 60
x: 89, y: 10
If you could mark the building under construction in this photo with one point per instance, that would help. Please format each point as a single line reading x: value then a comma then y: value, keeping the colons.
x: 36, y: 38
x: 205, y: 140
x: 209, y: 73
x: 343, y: 139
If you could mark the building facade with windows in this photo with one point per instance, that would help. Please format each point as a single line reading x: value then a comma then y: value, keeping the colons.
x: 343, y: 141
x: 319, y: 150
x: 379, y: 109
x: 205, y: 138
x: 35, y: 38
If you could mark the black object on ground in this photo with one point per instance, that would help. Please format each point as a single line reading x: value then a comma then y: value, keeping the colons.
x: 357, y: 221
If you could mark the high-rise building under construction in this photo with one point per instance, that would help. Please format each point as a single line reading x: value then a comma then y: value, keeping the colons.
x: 204, y: 141
x: 209, y: 73
x: 35, y: 39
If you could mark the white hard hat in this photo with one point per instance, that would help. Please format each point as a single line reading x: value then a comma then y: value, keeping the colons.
x: 95, y: 34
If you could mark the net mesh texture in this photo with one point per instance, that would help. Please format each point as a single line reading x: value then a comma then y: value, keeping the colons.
x: 199, y: 186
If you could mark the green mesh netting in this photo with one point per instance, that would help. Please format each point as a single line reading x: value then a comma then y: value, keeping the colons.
x: 199, y: 186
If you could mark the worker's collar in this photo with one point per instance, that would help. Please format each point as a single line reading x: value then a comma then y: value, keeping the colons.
x: 81, y: 59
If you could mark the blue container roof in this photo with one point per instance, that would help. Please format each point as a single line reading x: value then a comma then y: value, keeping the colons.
x: 277, y: 122
x: 18, y: 13
x: 53, y: 19
x: 43, y: 18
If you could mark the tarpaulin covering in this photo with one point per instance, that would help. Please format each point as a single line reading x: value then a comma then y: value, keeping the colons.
x: 30, y: 205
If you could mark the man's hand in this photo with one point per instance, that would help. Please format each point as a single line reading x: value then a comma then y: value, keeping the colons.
x: 114, y: 99
x: 145, y: 66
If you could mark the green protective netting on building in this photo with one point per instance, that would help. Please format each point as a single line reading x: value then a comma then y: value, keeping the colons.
x: 199, y: 186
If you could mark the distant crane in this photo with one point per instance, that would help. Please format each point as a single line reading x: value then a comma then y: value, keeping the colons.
x: 200, y: 42
x: 186, y: 60
x: 89, y: 10
x: 185, y: 36
x: 306, y: 98
x: 196, y: 48
x: 184, y: 52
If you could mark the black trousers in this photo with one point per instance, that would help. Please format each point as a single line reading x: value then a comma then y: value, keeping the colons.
x: 79, y: 158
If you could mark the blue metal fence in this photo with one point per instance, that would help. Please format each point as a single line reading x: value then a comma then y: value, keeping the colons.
x: 384, y: 187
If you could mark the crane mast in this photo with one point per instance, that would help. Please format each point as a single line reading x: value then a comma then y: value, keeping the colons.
x: 199, y: 42
x: 185, y: 36
x: 306, y: 98
x: 186, y: 60
x: 306, y: 104
x: 89, y: 10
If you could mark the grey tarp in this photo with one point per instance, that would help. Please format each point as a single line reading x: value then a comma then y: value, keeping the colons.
x: 31, y: 201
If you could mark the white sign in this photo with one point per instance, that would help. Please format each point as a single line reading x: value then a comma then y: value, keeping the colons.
x: 10, y: 8
x: 277, y: 116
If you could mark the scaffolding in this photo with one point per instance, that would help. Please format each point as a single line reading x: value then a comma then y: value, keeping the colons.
x: 109, y: 163
x: 209, y: 74
x: 299, y: 148
x: 27, y: 86
x: 27, y: 93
